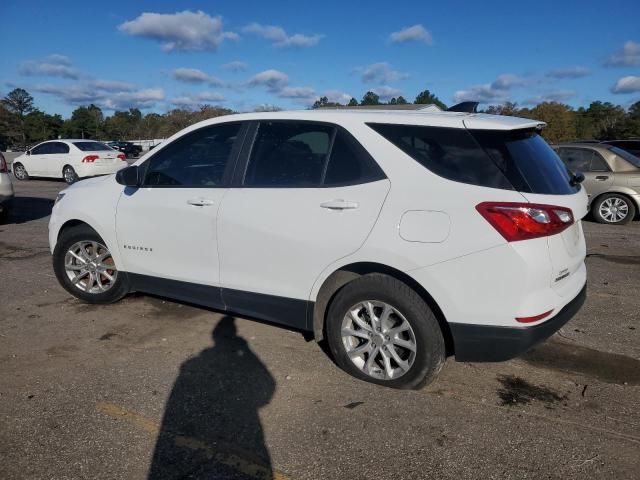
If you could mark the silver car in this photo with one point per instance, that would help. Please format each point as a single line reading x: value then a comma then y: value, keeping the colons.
x: 612, y: 179
x: 6, y: 189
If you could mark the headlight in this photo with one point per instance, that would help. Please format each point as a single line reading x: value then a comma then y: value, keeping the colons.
x: 58, y: 198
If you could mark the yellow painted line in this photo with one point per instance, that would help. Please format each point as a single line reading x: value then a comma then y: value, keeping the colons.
x: 252, y: 469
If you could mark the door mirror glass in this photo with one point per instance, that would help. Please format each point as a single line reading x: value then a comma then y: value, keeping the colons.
x: 129, y: 176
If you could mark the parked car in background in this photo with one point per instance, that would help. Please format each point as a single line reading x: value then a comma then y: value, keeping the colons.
x: 69, y: 160
x: 612, y: 179
x: 399, y: 237
x: 128, y: 148
x: 6, y: 189
x: 631, y: 146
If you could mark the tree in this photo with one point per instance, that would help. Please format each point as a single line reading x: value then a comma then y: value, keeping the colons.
x: 608, y: 121
x: 18, y: 103
x: 401, y: 100
x: 40, y: 126
x: 324, y: 102
x: 370, y: 98
x: 509, y: 108
x: 426, y: 97
x: 560, y: 120
x: 353, y: 102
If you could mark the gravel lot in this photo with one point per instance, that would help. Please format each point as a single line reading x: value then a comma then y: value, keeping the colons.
x: 141, y: 389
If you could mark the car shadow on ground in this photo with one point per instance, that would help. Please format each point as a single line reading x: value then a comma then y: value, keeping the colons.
x: 211, y: 427
x: 26, y: 209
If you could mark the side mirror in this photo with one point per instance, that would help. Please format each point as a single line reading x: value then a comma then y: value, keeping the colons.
x: 129, y: 176
x: 28, y: 152
x: 577, y: 178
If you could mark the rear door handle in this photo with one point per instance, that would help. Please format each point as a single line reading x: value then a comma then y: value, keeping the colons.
x: 602, y: 178
x: 200, y: 202
x: 339, y: 205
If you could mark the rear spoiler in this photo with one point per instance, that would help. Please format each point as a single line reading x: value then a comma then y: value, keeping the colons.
x: 466, y: 107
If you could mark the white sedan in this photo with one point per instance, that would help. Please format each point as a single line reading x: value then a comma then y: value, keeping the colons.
x: 68, y: 159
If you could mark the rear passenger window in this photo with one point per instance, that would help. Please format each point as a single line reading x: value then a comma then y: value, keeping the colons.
x: 451, y: 153
x: 598, y: 164
x: 288, y: 154
x: 350, y: 163
x: 305, y: 154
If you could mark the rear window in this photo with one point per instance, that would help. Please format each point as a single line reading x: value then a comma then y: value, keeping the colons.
x: 514, y: 159
x: 92, y: 146
x: 629, y: 157
x: 451, y: 153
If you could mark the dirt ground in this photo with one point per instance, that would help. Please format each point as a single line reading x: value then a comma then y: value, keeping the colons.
x: 150, y: 388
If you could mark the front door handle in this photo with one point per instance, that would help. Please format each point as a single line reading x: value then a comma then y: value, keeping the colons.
x: 200, y: 202
x: 602, y: 178
x: 339, y: 205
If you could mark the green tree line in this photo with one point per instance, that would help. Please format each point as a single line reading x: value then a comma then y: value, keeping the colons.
x: 23, y: 124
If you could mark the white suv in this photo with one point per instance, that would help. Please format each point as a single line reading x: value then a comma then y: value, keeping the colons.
x: 399, y: 237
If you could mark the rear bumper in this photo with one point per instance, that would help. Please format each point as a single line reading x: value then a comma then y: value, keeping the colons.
x: 485, y: 343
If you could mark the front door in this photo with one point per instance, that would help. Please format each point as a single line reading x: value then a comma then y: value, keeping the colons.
x: 167, y: 227
x: 309, y: 195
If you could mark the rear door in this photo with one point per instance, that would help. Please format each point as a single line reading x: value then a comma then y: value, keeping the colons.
x: 308, y: 195
x: 597, y: 174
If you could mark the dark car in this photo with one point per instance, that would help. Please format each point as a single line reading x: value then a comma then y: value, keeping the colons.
x: 128, y: 148
x: 631, y: 146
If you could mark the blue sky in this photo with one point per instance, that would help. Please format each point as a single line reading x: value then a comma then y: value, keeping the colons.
x: 159, y: 55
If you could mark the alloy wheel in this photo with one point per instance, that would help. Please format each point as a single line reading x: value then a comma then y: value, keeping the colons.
x: 614, y: 209
x: 379, y: 340
x: 19, y: 172
x: 90, y: 267
x: 69, y: 175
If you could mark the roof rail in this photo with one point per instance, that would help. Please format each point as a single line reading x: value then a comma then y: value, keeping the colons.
x: 468, y: 107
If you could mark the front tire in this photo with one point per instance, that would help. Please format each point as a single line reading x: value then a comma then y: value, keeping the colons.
x: 69, y: 174
x: 20, y: 172
x: 614, y: 209
x: 381, y: 331
x: 85, y: 268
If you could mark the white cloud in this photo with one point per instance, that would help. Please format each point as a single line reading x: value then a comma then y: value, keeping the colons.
x: 337, y: 96
x: 380, y: 72
x: 279, y: 37
x: 629, y: 56
x: 184, y: 31
x: 107, y: 94
x: 272, y: 80
x: 52, y: 66
x: 497, y: 91
x: 195, y: 76
x: 415, y: 33
x: 569, y: 72
x: 197, y: 99
x: 553, y: 96
x: 386, y: 93
x: 235, y: 66
x: 629, y: 84
x: 297, y: 92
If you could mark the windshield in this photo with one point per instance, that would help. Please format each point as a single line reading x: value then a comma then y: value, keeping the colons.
x: 529, y: 163
x: 629, y: 157
x: 92, y: 146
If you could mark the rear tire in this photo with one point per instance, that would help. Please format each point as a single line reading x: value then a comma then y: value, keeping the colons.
x: 614, y: 209
x: 82, y: 261
x: 69, y: 174
x: 402, y: 347
x: 19, y: 172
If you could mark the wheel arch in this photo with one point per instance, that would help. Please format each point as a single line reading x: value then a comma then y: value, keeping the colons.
x: 73, y: 223
x: 347, y: 273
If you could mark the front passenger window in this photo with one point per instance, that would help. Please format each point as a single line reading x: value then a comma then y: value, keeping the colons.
x: 197, y: 159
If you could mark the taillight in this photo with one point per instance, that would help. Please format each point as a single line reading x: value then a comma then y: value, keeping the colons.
x: 523, y: 221
x: 3, y: 165
x: 122, y: 157
x: 90, y: 158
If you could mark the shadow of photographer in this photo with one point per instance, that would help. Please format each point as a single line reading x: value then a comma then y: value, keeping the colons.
x: 211, y: 427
